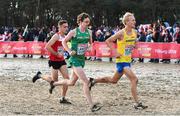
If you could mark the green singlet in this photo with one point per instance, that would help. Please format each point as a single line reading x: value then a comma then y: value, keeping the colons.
x: 79, y: 43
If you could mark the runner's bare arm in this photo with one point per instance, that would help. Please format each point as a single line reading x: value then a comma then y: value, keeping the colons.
x: 68, y: 38
x: 135, y: 45
x: 110, y: 40
x: 90, y: 40
x: 50, y: 43
x: 113, y: 38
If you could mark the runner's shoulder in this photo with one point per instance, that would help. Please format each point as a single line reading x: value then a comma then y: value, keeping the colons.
x: 55, y: 36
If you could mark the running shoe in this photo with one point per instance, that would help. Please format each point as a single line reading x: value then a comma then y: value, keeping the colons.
x: 95, y: 108
x: 51, y: 87
x: 36, y: 77
x: 139, y: 106
x: 63, y: 100
x: 91, y: 83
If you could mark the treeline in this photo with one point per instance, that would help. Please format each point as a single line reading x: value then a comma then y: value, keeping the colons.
x: 108, y: 12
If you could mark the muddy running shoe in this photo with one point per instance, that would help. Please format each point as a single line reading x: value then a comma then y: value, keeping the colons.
x: 178, y: 62
x: 95, y: 108
x: 91, y: 83
x: 51, y: 87
x: 63, y: 100
x: 139, y: 106
x: 36, y: 77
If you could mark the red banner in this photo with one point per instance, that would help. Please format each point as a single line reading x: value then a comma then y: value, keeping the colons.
x: 99, y: 49
x: 91, y: 51
x: 102, y: 49
x: 144, y: 50
x: 22, y: 48
x: 157, y: 50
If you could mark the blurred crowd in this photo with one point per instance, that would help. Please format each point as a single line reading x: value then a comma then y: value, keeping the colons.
x: 156, y: 32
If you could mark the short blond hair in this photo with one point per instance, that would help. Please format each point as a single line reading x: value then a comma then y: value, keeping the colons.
x: 126, y: 17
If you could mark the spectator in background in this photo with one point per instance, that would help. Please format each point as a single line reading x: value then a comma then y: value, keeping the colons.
x: 15, y: 37
x: 176, y: 38
x: 167, y: 38
x: 24, y: 36
x: 36, y: 33
x: 42, y: 37
x: 7, y: 37
x: 49, y: 35
x: 107, y: 35
x: 54, y: 29
x: 29, y: 36
x: 99, y: 36
x: 20, y: 33
x: 149, y: 35
x: 2, y: 37
x: 156, y: 37
x: 142, y: 38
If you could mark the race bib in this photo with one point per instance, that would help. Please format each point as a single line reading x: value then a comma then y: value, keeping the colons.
x: 128, y: 51
x: 60, y: 50
x: 81, y: 49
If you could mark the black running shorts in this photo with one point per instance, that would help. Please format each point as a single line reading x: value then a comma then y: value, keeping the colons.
x: 56, y: 64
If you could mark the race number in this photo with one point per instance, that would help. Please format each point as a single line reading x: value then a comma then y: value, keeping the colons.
x: 81, y: 49
x: 61, y: 50
x: 128, y: 51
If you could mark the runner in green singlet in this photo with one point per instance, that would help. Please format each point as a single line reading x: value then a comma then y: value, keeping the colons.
x: 80, y: 39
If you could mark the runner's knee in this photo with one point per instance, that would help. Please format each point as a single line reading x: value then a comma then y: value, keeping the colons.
x: 114, y: 81
x: 66, y: 77
x: 71, y: 83
x: 135, y: 80
x: 85, y: 83
x: 54, y: 79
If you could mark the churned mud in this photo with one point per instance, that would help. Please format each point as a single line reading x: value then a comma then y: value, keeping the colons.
x: 159, y: 88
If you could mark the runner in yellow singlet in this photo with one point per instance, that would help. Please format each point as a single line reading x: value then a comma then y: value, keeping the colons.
x: 126, y: 39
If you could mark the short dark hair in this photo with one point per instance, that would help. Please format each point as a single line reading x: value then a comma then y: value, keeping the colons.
x: 82, y: 16
x: 61, y: 22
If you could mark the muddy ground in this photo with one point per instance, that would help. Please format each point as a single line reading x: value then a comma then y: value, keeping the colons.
x: 159, y: 88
